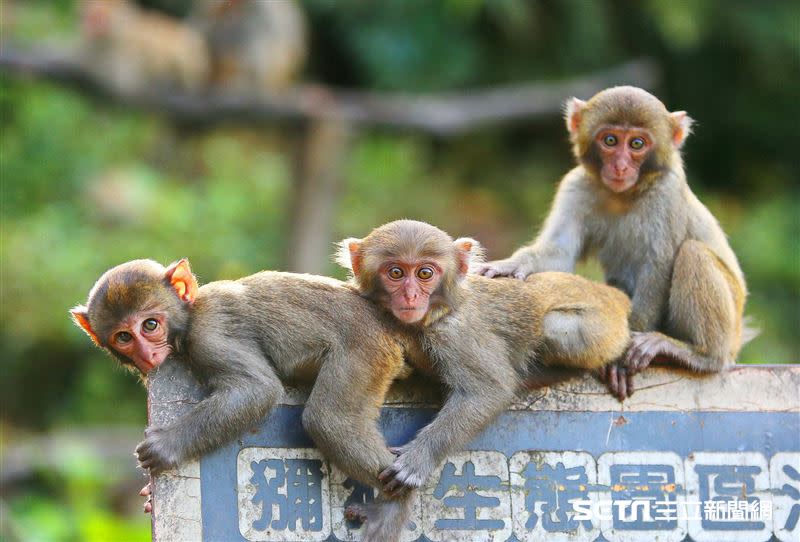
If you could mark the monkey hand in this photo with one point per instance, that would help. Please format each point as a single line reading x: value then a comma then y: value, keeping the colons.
x: 157, y: 451
x: 147, y: 491
x: 504, y: 268
x: 409, y: 471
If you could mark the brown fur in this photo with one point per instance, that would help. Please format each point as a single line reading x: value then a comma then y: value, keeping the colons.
x: 656, y: 241
x: 486, y: 338
x: 243, y: 337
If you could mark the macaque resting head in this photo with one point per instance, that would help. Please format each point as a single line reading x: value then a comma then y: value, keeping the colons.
x: 412, y: 269
x: 139, y: 311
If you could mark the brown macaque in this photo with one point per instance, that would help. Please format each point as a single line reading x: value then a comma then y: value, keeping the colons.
x: 241, y: 339
x: 628, y: 202
x: 486, y: 339
x: 135, y: 50
x: 255, y: 45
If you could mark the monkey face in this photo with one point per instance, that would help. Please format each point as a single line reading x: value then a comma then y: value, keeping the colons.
x: 139, y: 310
x: 410, y: 285
x: 622, y: 151
x: 143, y: 339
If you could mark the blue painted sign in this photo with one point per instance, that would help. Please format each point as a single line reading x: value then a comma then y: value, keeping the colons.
x: 532, y: 475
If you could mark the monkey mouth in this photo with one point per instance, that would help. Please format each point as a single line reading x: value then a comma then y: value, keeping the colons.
x: 620, y: 184
x: 410, y: 315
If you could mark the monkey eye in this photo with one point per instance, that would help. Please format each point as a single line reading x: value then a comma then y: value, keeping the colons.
x: 123, y: 337
x: 610, y: 140
x: 637, y: 143
x: 151, y: 324
x: 395, y: 273
x: 425, y: 273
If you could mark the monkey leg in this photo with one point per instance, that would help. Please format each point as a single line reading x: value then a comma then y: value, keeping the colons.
x: 704, y: 320
x: 704, y: 315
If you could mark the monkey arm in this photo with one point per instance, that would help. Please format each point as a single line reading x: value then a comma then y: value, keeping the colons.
x: 476, y: 397
x: 341, y: 416
x: 557, y: 247
x: 244, y: 390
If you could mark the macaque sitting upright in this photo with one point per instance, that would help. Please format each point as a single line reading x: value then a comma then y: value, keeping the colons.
x: 628, y: 202
x: 135, y: 51
x: 241, y: 339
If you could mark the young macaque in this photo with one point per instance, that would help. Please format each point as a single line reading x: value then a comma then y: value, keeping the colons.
x: 255, y: 45
x: 485, y: 338
x: 136, y: 51
x: 628, y: 202
x: 241, y: 339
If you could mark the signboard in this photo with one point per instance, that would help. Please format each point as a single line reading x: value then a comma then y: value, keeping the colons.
x: 686, y: 458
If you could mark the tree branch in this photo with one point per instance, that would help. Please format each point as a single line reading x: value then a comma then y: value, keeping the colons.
x: 442, y: 114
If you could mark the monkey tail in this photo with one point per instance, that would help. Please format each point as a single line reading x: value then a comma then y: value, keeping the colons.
x: 386, y: 521
x: 749, y: 330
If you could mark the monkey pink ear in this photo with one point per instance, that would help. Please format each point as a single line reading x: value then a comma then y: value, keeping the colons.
x: 348, y: 255
x: 182, y: 280
x: 681, y: 127
x: 573, y: 112
x: 468, y: 252
x: 80, y: 315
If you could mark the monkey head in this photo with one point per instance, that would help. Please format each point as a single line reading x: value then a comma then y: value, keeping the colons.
x: 139, y: 311
x: 410, y: 268
x: 625, y: 137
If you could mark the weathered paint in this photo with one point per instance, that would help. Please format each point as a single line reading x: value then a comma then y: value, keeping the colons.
x: 680, y: 440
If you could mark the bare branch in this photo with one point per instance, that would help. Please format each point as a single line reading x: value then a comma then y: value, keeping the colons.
x: 438, y: 114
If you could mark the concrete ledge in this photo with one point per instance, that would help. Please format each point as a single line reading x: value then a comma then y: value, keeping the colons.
x: 693, y: 437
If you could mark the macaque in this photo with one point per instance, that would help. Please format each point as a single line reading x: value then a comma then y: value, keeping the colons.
x: 485, y: 338
x: 628, y: 201
x: 136, y: 51
x: 255, y: 45
x: 242, y: 339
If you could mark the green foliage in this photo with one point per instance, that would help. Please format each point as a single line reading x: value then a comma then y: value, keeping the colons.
x: 84, y: 187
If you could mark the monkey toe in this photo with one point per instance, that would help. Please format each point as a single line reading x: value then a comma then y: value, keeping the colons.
x: 618, y: 381
x: 644, y: 347
x: 355, y: 512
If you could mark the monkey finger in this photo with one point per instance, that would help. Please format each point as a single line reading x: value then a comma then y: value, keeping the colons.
x: 520, y: 275
x: 611, y: 379
x: 622, y: 383
x: 146, y: 490
x: 396, y: 450
x: 387, y: 474
x: 629, y: 382
x: 148, y: 506
x: 399, y: 492
x: 392, y: 487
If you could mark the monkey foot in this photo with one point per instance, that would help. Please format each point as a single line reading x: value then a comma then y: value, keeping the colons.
x: 645, y: 348
x: 356, y: 512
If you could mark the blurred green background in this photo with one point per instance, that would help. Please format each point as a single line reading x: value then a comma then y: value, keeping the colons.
x: 86, y: 186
